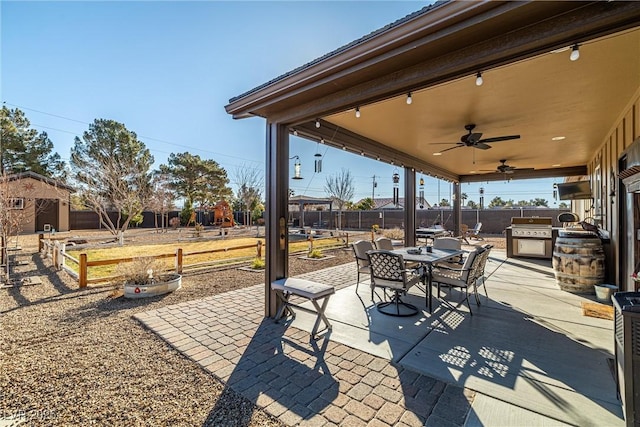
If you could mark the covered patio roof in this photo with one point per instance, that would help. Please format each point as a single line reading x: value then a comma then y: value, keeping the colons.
x: 561, y: 109
x: 531, y: 88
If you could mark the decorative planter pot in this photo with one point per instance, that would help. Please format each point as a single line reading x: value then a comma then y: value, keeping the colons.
x: 170, y: 283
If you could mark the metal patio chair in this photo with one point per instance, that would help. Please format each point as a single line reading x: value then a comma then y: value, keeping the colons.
x: 388, y: 271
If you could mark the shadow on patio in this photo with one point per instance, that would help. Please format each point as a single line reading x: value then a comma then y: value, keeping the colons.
x: 527, y: 344
x: 526, y: 350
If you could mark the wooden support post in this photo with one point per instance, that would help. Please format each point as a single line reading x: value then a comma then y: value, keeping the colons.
x: 259, y: 255
x: 40, y: 242
x: 63, y: 250
x: 82, y: 273
x: 179, y: 261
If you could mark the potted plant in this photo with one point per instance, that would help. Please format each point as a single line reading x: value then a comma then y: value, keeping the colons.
x: 146, y: 277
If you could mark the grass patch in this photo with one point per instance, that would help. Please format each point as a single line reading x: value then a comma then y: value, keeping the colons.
x: 227, y: 256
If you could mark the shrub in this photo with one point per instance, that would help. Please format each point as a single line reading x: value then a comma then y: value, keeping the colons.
x: 198, y: 229
x: 394, y: 233
x: 174, y: 222
x: 258, y: 264
x: 140, y: 271
x: 315, y: 253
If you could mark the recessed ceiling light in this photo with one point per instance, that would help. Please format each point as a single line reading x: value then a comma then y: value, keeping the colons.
x: 556, y: 165
x: 558, y: 138
x: 437, y: 154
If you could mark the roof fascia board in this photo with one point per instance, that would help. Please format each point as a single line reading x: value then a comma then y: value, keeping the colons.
x: 542, y: 37
x: 539, y: 37
x: 431, y: 22
x: 358, y: 144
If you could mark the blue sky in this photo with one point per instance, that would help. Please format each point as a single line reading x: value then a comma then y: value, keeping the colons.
x: 166, y: 70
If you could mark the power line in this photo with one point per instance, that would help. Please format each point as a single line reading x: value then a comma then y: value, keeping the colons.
x: 139, y: 136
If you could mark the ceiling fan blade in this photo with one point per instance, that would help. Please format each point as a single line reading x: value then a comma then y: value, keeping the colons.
x: 500, y: 138
x: 482, y: 146
x: 450, y: 148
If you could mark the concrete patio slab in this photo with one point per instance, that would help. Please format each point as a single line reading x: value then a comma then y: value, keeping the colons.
x: 528, y: 343
x: 487, y: 411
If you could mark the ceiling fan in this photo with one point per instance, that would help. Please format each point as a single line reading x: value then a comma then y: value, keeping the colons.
x: 474, y: 139
x: 503, y: 167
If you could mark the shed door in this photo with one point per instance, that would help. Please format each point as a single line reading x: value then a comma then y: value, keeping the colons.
x: 46, y: 213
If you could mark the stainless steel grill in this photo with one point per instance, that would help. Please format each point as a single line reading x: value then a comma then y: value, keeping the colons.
x: 538, y: 228
x: 530, y: 237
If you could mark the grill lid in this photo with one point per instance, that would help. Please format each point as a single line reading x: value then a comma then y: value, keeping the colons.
x: 532, y: 221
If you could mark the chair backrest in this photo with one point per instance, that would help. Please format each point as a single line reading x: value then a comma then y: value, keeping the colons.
x: 384, y: 244
x: 360, y: 249
x: 447, y: 243
x: 471, y: 263
x: 476, y: 228
x: 483, y: 261
x: 386, y: 267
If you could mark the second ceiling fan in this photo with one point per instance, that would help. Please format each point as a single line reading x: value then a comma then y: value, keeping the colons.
x: 474, y: 139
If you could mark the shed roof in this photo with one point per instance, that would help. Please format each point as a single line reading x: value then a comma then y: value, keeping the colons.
x: 37, y: 176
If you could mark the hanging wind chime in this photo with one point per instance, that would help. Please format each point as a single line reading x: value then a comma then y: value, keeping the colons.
x: 421, y: 193
x: 318, y: 161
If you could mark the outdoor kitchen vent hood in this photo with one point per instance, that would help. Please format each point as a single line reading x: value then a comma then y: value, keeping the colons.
x: 631, y: 175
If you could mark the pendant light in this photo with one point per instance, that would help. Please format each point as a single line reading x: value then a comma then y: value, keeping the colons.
x: 575, y: 52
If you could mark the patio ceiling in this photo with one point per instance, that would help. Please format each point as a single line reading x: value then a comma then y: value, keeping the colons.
x: 539, y: 99
x: 531, y: 88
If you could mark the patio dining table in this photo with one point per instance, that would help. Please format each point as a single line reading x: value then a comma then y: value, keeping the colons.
x: 427, y: 259
x: 430, y: 233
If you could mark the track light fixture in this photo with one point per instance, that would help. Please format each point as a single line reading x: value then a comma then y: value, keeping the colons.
x: 295, y: 132
x: 317, y: 123
x: 479, y: 80
x: 575, y: 52
x: 357, y: 112
x: 409, y: 99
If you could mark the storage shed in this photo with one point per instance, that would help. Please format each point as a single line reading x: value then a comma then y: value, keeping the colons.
x: 44, y: 203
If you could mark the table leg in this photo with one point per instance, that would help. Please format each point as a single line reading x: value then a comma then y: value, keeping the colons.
x: 429, y: 282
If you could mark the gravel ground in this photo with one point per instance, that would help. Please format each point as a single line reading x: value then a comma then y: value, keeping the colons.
x: 76, y: 357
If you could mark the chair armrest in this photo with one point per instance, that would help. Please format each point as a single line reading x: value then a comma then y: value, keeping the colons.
x: 444, y: 267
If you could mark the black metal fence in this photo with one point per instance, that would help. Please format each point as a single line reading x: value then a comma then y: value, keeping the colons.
x: 494, y: 221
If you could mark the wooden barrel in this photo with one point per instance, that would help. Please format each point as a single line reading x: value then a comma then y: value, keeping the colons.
x: 578, y: 263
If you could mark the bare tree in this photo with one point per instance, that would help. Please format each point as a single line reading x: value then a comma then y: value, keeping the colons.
x: 162, y: 199
x: 250, y: 184
x: 340, y: 189
x: 111, y: 167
